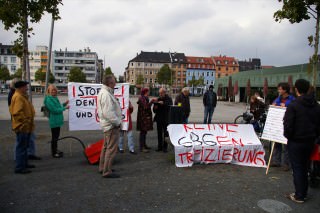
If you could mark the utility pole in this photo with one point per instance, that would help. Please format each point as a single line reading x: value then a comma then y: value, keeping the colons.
x: 49, y: 56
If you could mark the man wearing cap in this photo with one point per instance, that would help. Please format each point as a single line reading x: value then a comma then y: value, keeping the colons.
x: 22, y: 113
x: 209, y: 103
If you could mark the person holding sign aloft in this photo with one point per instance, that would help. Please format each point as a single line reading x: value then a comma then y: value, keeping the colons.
x: 55, y: 109
x: 283, y: 100
x: 301, y: 125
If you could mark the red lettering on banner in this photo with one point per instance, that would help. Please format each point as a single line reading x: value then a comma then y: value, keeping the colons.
x: 208, y: 156
x: 73, y: 91
x: 231, y: 125
x: 186, y: 127
x: 235, y: 142
x: 258, y: 158
x: 226, y: 154
x: 244, y: 156
x: 195, y: 127
x: 198, y: 152
x: 221, y: 126
x: 187, y: 155
x: 251, y: 156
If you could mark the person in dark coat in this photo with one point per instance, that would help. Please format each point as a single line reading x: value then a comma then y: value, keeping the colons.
x: 209, y: 103
x: 144, y: 118
x: 161, y: 110
x: 257, y: 108
x: 301, y: 124
x: 183, y: 101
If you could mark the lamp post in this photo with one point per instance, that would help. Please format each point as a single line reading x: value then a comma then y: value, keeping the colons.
x: 49, y: 56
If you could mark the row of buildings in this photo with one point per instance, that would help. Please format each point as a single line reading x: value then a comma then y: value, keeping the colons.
x: 145, y: 64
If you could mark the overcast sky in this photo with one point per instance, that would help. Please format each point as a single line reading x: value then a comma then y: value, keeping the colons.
x: 119, y: 29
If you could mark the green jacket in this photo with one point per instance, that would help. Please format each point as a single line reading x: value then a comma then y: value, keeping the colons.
x: 56, y: 111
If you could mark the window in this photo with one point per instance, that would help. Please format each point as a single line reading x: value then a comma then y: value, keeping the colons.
x: 146, y: 72
x: 131, y: 64
x: 150, y: 80
x: 219, y: 68
x: 145, y: 80
x: 5, y: 59
x: 13, y: 59
x: 218, y: 62
x: 227, y: 68
x: 207, y: 82
x: 150, y: 72
x: 212, y: 73
x: 13, y: 68
x: 179, y: 73
x: 150, y: 65
x: 138, y: 64
x: 146, y: 64
x: 226, y: 62
x: 155, y: 80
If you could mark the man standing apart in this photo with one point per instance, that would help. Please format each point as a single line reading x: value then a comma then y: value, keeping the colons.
x: 161, y: 109
x: 22, y: 113
x: 301, y: 127
x: 110, y: 119
x: 283, y: 100
x: 183, y: 101
x: 209, y: 103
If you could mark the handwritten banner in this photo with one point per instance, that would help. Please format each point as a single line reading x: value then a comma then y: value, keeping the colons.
x: 83, y: 113
x: 216, y: 143
x: 273, y: 129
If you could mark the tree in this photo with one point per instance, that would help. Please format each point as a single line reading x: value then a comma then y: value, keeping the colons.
x: 76, y: 75
x: 18, y: 14
x: 17, y: 74
x: 108, y: 71
x: 40, y: 75
x: 165, y: 75
x: 296, y: 11
x: 139, y: 80
x: 4, y: 73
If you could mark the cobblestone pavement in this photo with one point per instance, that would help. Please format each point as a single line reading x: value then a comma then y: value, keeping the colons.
x: 150, y: 182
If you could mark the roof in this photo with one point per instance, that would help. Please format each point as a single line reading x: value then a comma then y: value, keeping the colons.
x: 154, y: 57
x: 199, y: 60
x: 225, y: 58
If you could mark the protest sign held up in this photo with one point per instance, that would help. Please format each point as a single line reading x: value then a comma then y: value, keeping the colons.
x: 83, y: 105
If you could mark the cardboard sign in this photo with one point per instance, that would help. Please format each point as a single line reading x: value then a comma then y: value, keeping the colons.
x: 216, y: 143
x: 273, y: 129
x: 83, y: 113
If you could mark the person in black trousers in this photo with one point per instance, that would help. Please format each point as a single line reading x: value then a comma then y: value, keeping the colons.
x: 301, y: 127
x: 161, y: 109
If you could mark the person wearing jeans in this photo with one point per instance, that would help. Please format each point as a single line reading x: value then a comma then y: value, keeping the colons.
x: 209, y: 103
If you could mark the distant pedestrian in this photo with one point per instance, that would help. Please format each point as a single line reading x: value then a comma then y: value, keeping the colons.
x: 128, y: 133
x: 56, y: 120
x: 109, y: 112
x: 182, y: 100
x: 161, y: 110
x: 32, y: 146
x: 283, y: 100
x: 209, y: 103
x: 22, y: 114
x: 144, y: 118
x: 301, y: 127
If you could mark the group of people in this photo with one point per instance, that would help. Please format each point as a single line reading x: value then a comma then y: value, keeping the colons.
x: 301, y: 125
x: 22, y: 119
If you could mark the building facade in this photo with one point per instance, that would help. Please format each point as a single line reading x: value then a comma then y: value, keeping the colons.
x: 9, y: 59
x: 38, y: 59
x: 63, y: 61
x: 200, y: 67
x: 225, y: 65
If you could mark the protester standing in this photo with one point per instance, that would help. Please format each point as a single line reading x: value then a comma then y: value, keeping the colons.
x: 283, y: 100
x: 56, y: 120
x: 22, y: 115
x: 209, y: 103
x: 161, y: 110
x: 32, y: 146
x: 109, y: 112
x: 144, y: 118
x: 128, y: 133
x: 183, y: 101
x: 301, y: 127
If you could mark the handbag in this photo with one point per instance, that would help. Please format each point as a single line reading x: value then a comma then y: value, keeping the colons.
x: 45, y: 111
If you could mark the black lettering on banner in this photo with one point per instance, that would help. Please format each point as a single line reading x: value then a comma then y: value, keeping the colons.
x: 83, y: 114
x: 208, y: 142
x: 87, y: 90
x: 194, y: 140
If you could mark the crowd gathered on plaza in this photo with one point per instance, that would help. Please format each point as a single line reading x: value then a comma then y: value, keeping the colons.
x: 301, y: 125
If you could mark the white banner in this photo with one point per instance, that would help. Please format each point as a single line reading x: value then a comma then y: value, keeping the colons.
x: 83, y: 113
x: 216, y: 143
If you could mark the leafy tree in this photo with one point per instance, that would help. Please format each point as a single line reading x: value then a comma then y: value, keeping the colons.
x: 139, y: 80
x: 40, y: 75
x: 200, y: 81
x: 17, y: 14
x: 4, y: 73
x: 296, y: 11
x: 165, y: 75
x: 76, y: 75
x: 108, y: 71
x: 17, y: 74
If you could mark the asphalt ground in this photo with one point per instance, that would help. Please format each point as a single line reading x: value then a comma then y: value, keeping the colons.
x: 150, y: 182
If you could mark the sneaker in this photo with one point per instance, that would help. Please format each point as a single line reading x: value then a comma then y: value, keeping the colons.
x: 33, y: 157
x: 133, y: 152
x: 292, y: 197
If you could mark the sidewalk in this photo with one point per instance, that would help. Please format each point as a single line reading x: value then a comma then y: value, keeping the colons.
x: 150, y: 182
